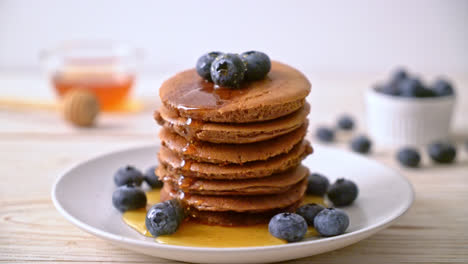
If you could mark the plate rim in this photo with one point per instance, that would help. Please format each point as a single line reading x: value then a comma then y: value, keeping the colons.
x: 152, y: 244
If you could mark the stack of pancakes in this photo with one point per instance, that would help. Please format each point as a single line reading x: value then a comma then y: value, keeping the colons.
x: 232, y: 156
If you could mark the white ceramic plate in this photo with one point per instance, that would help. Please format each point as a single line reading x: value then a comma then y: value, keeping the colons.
x: 83, y: 195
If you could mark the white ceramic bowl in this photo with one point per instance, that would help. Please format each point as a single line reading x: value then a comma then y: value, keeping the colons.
x: 395, y: 121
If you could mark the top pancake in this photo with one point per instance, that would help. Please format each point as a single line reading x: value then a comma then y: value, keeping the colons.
x: 282, y: 92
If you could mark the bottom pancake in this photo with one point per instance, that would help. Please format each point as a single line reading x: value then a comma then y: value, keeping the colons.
x: 231, y: 218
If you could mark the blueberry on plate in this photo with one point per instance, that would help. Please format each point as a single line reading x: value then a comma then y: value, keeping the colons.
x: 128, y: 197
x: 343, y: 192
x: 228, y: 70
x: 128, y: 175
x: 442, y: 152
x: 151, y: 178
x: 258, y: 65
x: 164, y: 218
x: 288, y: 226
x: 203, y: 66
x: 331, y: 222
x: 317, y: 184
x: 412, y: 88
x: 309, y: 211
x: 409, y: 157
x: 325, y: 134
x: 361, y: 144
x: 442, y: 87
x: 345, y: 122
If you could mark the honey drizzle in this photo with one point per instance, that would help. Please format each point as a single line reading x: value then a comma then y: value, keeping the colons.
x: 194, y: 234
x: 200, y: 94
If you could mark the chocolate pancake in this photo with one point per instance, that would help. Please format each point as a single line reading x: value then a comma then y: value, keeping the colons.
x: 256, y: 169
x: 231, y: 153
x: 251, y: 204
x: 282, y: 92
x: 192, y: 129
x: 276, y: 183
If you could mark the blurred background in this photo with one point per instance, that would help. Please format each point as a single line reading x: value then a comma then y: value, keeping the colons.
x: 352, y: 36
x: 344, y: 47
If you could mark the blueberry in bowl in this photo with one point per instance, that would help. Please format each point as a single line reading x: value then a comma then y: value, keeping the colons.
x: 203, y: 65
x: 228, y: 70
x: 388, y: 89
x: 258, y: 65
x: 128, y: 175
x: 442, y: 87
x: 399, y: 74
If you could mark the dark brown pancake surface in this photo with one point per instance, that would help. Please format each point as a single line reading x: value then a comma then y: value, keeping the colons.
x: 282, y: 92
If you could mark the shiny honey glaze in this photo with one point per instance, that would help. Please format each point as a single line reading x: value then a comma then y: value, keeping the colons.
x: 198, y: 235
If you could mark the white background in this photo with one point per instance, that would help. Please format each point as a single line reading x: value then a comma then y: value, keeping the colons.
x: 319, y: 36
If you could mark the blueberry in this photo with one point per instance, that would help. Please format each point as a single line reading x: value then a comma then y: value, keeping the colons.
x: 388, y: 88
x: 288, y: 226
x: 325, y: 134
x: 441, y: 152
x: 412, y: 88
x: 128, y: 175
x: 331, y: 222
x: 343, y: 192
x: 409, y: 157
x: 164, y: 218
x: 258, y: 65
x: 345, y: 122
x: 128, y: 197
x: 442, y: 87
x: 361, y: 144
x: 309, y: 211
x: 228, y: 70
x: 151, y: 178
x: 399, y: 75
x: 428, y: 93
x: 204, y: 64
x: 317, y: 184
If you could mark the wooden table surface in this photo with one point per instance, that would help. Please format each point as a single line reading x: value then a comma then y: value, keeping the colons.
x: 35, y: 146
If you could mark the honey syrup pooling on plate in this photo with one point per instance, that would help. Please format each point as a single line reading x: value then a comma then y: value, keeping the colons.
x: 199, y: 235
